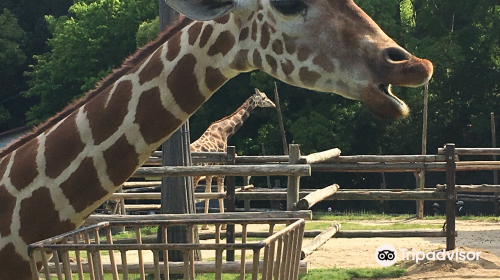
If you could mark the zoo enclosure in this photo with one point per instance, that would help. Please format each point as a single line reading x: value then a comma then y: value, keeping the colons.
x: 274, y: 257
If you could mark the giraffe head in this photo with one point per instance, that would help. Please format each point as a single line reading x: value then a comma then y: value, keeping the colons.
x: 261, y: 100
x: 324, y: 45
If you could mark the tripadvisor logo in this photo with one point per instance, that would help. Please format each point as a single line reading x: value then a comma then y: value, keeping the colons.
x: 387, y: 255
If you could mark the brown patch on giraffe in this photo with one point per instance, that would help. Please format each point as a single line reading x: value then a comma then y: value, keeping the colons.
x: 324, y: 62
x: 237, y: 21
x: 62, y: 146
x: 37, y: 222
x: 121, y: 161
x: 3, y: 164
x: 214, y: 78
x: 205, y: 35
x: 309, y: 78
x: 271, y: 18
x: 240, y: 61
x: 244, y: 34
x: 153, y: 69
x: 265, y: 36
x: 251, y: 16
x: 7, y: 204
x: 174, y: 47
x: 289, y: 44
x: 106, y: 116
x: 254, y: 31
x: 260, y: 16
x: 272, y: 62
x: 18, y: 268
x: 194, y: 32
x: 303, y: 53
x: 84, y: 180
x: 257, y: 59
x: 223, y: 19
x: 223, y: 44
x: 183, y: 85
x: 287, y: 67
x: 150, y: 108
x: 277, y: 47
x: 24, y: 169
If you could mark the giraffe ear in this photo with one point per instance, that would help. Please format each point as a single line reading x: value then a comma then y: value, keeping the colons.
x: 202, y: 9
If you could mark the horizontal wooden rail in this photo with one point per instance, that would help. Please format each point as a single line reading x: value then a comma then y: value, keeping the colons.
x: 472, y: 188
x: 97, y: 218
x: 349, y: 195
x: 228, y: 170
x: 157, y: 195
x: 141, y: 184
x: 233, y: 267
x: 474, y: 151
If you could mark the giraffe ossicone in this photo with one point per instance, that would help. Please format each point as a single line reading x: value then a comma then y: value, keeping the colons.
x: 52, y: 179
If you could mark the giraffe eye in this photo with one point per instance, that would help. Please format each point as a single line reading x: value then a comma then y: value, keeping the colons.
x: 288, y: 7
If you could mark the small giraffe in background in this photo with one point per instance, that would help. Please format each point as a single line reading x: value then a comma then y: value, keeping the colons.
x: 214, y: 139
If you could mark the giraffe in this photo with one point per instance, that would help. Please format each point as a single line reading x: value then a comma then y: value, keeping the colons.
x: 53, y: 178
x: 214, y: 139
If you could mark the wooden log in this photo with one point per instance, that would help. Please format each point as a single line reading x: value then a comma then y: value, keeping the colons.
x: 304, y: 214
x: 141, y: 184
x: 228, y: 170
x: 349, y: 195
x: 450, y: 196
x: 150, y: 196
x: 348, y: 159
x: 473, y: 151
x: 389, y: 233
x: 319, y: 240
x: 245, y: 188
x: 293, y: 185
x: 142, y: 207
x: 322, y: 156
x: 377, y: 167
x: 484, y: 188
x: 309, y: 200
x: 233, y: 267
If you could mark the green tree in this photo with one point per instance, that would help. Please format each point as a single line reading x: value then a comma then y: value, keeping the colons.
x: 87, y: 44
x: 12, y: 57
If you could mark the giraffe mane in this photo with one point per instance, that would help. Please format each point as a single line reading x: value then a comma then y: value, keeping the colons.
x: 109, y: 80
x: 234, y: 113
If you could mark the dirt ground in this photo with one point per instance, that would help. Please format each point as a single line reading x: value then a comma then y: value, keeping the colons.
x: 472, y: 236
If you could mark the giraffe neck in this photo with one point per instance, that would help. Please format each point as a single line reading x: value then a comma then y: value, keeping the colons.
x: 232, y: 123
x: 53, y: 182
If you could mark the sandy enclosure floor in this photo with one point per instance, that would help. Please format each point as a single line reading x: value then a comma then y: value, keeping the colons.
x: 472, y: 236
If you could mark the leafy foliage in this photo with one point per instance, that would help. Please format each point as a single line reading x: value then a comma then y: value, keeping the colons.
x: 87, y: 44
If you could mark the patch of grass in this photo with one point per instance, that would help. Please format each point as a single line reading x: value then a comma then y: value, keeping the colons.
x: 350, y: 273
x: 396, y: 226
x: 363, y: 215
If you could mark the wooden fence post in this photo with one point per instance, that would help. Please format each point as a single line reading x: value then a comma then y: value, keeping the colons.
x: 230, y: 200
x: 450, y: 196
x: 495, y: 172
x: 246, y: 182
x: 292, y: 197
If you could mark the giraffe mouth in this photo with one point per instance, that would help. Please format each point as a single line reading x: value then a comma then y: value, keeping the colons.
x: 382, y: 103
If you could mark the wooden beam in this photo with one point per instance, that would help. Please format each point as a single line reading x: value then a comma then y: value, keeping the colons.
x: 228, y: 170
x: 377, y: 167
x: 233, y: 267
x: 484, y: 188
x: 322, y: 156
x: 319, y: 240
x: 473, y: 151
x: 293, y: 185
x: 450, y: 196
x: 304, y: 214
x: 309, y: 200
x: 350, y: 195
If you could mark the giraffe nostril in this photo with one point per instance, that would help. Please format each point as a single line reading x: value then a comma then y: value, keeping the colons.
x: 393, y: 55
